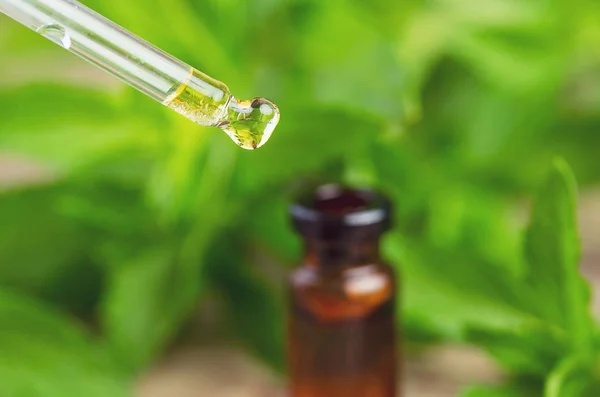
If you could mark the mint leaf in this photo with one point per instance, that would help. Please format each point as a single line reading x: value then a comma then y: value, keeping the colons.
x: 36, y: 243
x: 71, y: 128
x: 553, y: 291
x: 559, y: 292
x: 150, y: 292
x: 531, y: 349
x: 368, y: 51
x: 43, y: 352
x: 572, y: 377
x: 144, y: 305
x: 255, y: 308
x: 269, y: 227
x: 457, y: 298
x: 44, y: 253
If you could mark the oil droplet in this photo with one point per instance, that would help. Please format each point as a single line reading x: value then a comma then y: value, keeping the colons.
x: 57, y: 34
x: 250, y: 123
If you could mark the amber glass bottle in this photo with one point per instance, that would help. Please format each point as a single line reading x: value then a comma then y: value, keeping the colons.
x: 342, y: 337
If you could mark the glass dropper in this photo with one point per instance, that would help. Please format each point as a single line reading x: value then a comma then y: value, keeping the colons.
x: 162, y: 77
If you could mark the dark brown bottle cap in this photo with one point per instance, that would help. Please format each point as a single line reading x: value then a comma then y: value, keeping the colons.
x: 335, y: 212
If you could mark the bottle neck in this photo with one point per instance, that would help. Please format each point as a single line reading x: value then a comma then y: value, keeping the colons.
x: 320, y: 253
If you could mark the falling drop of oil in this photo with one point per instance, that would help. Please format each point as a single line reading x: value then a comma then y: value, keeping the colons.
x: 56, y: 33
x: 250, y: 123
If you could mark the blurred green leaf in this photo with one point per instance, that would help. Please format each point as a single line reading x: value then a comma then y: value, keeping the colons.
x: 268, y: 227
x: 559, y: 344
x: 36, y: 243
x: 46, y: 353
x: 358, y: 61
x: 572, y: 377
x: 194, y: 174
x: 553, y: 254
x: 508, y: 42
x: 529, y: 350
x: 162, y: 285
x: 143, y: 308
x: 55, y: 105
x: 44, y: 253
x: 256, y: 310
x: 71, y: 127
x: 439, y: 291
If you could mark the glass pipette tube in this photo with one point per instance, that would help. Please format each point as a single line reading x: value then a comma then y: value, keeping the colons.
x: 162, y: 77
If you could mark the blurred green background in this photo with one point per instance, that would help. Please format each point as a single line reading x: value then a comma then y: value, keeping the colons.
x: 133, y: 217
